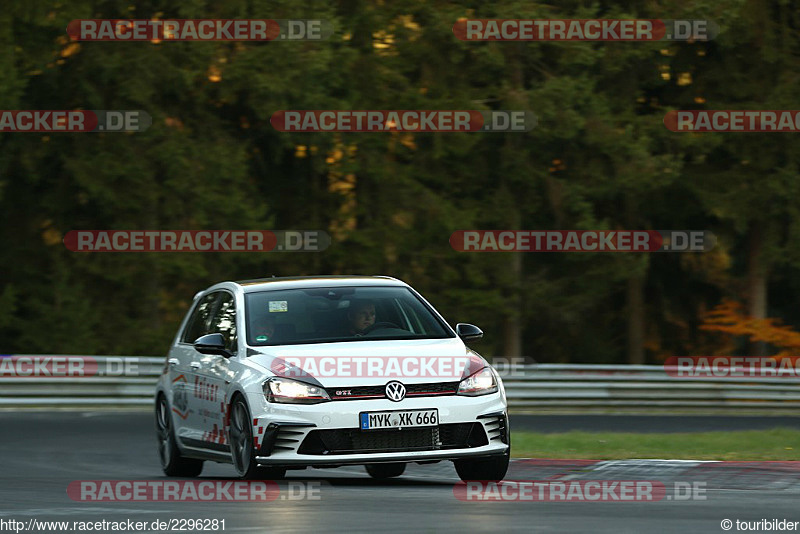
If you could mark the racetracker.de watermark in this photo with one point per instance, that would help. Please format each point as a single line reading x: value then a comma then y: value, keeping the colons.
x: 333, y: 120
x: 199, y: 30
x: 582, y: 240
x: 191, y: 491
x: 379, y: 367
x: 732, y: 367
x: 103, y: 525
x: 39, y: 120
x: 726, y: 120
x: 196, y: 240
x: 38, y: 366
x: 580, y: 491
x: 584, y: 30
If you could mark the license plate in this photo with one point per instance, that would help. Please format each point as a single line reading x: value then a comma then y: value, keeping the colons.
x: 399, y: 419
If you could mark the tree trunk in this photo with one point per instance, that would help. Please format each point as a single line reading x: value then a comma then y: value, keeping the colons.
x: 756, y: 282
x: 634, y: 294
x: 512, y: 325
x: 514, y: 98
x: 635, y: 308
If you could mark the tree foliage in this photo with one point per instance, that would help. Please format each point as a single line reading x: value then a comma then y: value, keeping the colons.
x: 600, y: 158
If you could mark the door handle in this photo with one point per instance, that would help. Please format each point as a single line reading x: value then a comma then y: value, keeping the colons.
x: 173, y: 361
x: 195, y: 365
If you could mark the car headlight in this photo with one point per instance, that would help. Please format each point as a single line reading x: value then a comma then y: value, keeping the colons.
x: 481, y: 383
x: 287, y: 391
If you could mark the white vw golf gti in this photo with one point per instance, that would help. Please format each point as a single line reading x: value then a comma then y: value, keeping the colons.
x: 289, y: 373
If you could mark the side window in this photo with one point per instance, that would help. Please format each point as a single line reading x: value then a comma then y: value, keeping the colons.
x: 198, y: 323
x: 224, y: 320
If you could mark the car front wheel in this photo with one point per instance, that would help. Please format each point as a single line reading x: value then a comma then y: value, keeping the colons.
x: 493, y: 468
x: 242, y: 450
x: 385, y: 470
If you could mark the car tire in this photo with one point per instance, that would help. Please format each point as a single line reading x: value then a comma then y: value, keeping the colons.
x: 243, y: 453
x: 172, y: 462
x: 493, y: 468
x: 380, y: 471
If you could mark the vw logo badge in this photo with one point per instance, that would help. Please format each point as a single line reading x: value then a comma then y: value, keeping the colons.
x: 395, y: 391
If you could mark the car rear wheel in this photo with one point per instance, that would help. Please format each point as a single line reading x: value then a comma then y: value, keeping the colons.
x: 173, y: 464
x: 242, y: 449
x: 493, y: 468
x: 385, y: 470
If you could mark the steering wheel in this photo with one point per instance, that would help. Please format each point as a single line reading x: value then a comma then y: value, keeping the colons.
x: 382, y: 324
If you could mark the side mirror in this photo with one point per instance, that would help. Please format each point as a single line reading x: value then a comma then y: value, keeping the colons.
x: 468, y: 332
x: 212, y: 344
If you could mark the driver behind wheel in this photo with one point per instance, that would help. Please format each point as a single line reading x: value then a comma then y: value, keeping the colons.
x: 361, y: 316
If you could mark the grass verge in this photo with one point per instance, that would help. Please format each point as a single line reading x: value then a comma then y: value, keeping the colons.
x: 776, y: 444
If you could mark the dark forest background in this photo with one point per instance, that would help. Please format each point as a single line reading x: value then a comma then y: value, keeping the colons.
x: 600, y: 158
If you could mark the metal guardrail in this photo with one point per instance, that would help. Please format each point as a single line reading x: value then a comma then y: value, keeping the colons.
x: 124, y: 382
x: 589, y: 388
x: 540, y: 388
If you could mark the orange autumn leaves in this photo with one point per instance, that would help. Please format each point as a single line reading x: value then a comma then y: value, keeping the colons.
x: 730, y: 317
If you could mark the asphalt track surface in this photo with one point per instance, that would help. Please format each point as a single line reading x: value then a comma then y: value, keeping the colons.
x: 43, y: 452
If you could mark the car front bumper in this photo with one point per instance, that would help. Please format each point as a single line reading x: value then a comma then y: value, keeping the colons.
x: 282, y: 432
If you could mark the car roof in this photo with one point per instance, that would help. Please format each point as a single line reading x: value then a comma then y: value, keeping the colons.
x: 292, y: 282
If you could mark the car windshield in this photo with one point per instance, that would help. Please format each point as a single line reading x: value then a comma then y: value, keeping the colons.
x: 334, y: 314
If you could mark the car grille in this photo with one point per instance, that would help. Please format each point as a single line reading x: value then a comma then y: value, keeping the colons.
x: 379, y: 392
x: 356, y: 441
